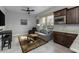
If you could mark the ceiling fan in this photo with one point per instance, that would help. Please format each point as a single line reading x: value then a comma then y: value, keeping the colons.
x: 28, y: 10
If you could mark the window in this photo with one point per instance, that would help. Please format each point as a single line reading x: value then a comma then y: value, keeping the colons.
x: 43, y: 20
x: 47, y: 22
x: 50, y: 20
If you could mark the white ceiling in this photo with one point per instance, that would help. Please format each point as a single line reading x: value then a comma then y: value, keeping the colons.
x: 37, y: 9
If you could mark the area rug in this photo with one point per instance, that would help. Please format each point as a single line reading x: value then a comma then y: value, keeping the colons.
x: 26, y: 47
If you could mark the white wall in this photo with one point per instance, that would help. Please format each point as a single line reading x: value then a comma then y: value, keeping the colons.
x: 12, y: 21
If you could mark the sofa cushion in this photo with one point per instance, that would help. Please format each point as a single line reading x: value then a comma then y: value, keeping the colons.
x: 44, y: 31
x: 46, y: 37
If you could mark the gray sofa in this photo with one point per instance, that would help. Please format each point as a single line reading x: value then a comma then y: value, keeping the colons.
x: 46, y: 35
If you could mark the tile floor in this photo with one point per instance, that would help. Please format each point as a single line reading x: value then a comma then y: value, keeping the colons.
x: 50, y: 47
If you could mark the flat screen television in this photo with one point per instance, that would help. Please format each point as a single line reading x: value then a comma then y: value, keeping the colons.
x: 2, y: 18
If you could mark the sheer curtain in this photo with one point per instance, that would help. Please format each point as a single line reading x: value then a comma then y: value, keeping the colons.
x: 50, y: 20
x: 43, y: 23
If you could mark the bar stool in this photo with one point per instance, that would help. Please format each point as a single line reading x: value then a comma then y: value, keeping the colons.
x: 6, y: 41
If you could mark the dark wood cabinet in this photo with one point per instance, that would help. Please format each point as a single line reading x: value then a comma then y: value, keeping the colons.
x: 69, y: 38
x: 58, y: 36
x: 73, y: 16
x: 65, y: 39
x: 61, y: 12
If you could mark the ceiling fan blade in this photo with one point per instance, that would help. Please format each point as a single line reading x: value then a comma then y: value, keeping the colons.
x: 23, y: 10
x: 32, y: 10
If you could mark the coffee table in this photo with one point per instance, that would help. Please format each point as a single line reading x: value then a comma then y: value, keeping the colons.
x: 33, y: 36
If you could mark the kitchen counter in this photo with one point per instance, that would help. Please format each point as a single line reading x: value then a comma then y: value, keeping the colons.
x: 70, y: 29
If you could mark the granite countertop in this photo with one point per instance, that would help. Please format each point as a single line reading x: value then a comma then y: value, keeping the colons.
x: 75, y: 30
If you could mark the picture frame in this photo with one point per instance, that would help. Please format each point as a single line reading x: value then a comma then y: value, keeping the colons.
x: 23, y: 21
